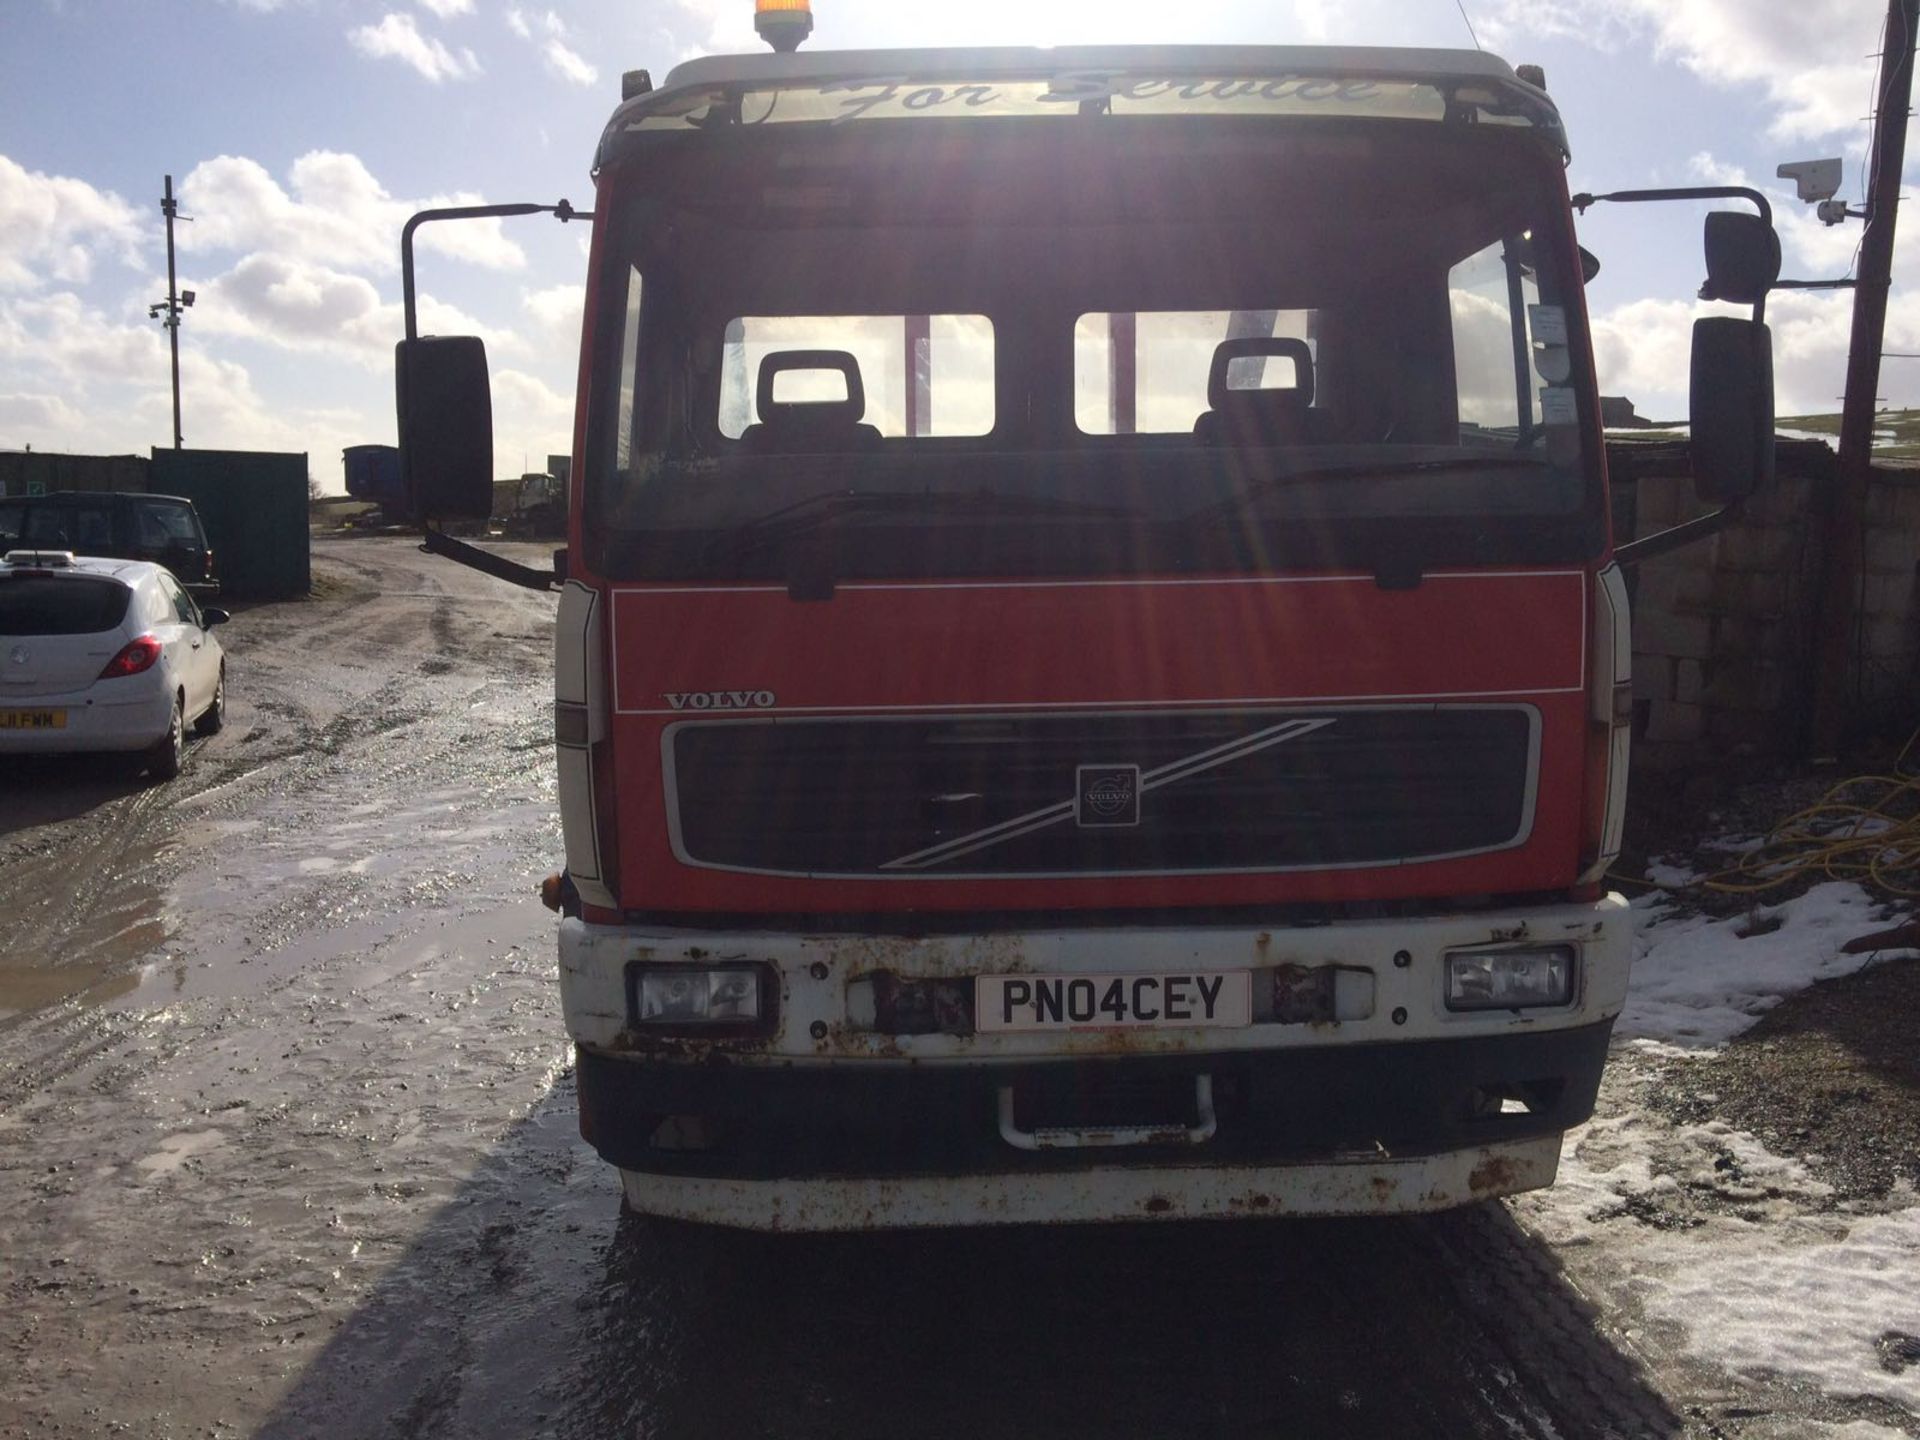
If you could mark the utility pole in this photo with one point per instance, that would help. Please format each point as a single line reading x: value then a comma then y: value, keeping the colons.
x: 167, y: 311
x: 1845, y: 520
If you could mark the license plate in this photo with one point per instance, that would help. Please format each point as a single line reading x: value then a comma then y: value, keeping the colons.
x: 33, y: 719
x: 1177, y: 1000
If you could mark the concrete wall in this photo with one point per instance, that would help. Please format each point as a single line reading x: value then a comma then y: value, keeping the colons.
x: 1723, y: 628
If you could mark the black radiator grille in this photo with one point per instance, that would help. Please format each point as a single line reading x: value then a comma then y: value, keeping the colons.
x: 1091, y: 794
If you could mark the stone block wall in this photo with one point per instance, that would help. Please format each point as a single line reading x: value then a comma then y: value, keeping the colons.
x: 1723, y: 628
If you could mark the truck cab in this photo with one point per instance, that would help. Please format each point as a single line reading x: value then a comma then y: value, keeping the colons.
x: 1090, y: 678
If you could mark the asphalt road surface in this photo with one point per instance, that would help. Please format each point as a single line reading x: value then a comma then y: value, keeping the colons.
x: 287, y: 1143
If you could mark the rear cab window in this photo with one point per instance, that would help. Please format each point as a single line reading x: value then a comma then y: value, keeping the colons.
x: 60, y: 604
x: 1147, y: 373
x: 919, y: 376
x: 164, y: 523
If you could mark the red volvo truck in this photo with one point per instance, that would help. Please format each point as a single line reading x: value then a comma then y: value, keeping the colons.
x: 1091, y: 675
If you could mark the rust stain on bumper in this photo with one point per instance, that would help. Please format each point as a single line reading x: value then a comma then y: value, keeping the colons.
x: 1495, y: 1175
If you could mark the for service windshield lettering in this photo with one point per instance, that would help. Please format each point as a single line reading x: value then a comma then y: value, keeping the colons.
x: 1079, y: 87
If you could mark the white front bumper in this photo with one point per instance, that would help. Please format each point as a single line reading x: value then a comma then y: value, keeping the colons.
x: 816, y: 973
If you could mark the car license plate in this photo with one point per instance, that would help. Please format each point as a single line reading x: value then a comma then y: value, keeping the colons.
x: 33, y: 719
x: 1178, y: 1000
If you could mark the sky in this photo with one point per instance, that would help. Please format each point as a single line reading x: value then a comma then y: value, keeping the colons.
x: 302, y: 133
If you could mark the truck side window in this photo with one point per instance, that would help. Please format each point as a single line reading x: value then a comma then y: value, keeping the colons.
x: 1490, y: 293
x: 629, y: 373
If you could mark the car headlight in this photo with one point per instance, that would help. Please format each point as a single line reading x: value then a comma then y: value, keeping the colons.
x: 1510, y: 979
x: 699, y: 997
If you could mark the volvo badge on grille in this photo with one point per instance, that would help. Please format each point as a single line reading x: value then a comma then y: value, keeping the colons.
x: 1107, y: 795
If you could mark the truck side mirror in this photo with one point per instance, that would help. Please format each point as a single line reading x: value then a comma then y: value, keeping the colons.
x: 446, y: 426
x: 1743, y: 257
x: 1731, y: 409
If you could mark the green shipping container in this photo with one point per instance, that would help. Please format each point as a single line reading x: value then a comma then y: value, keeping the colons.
x: 43, y: 472
x: 254, y: 505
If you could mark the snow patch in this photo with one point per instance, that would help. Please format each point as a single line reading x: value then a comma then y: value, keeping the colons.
x: 1670, y: 876
x: 1698, y: 982
x: 1729, y: 1244
x: 1813, y: 1296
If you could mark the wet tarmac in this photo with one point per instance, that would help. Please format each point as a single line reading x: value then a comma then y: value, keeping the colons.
x: 287, y: 1144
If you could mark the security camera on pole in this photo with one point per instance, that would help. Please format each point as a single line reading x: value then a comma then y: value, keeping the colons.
x: 167, y: 311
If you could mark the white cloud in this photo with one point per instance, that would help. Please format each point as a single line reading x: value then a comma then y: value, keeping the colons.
x: 1641, y: 349
x: 25, y: 417
x: 568, y: 65
x: 334, y: 212
x: 55, y: 225
x: 58, y: 334
x: 531, y: 420
x: 398, y: 37
x: 447, y: 9
x: 1811, y: 58
x: 722, y: 27
x: 303, y: 306
x: 116, y: 397
x: 551, y: 35
x: 555, y: 314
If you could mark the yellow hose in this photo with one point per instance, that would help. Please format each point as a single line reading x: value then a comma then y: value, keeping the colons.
x: 1872, y: 838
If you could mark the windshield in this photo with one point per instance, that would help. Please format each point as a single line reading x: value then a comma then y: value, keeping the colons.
x: 1118, y: 347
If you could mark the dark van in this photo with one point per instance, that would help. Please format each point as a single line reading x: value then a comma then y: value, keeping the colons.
x: 122, y: 525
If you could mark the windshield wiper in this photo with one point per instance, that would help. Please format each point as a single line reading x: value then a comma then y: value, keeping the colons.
x: 815, y: 512
x: 1359, y: 470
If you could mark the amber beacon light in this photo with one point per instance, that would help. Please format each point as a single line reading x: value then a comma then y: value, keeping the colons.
x: 783, y: 24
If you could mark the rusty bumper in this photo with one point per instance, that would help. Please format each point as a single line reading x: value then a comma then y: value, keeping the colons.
x: 1374, y: 1186
x: 1419, y: 1104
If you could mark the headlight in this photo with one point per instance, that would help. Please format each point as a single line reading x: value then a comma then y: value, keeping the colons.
x: 1509, y: 979
x: 699, y: 997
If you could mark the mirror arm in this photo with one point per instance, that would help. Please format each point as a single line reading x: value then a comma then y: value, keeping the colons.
x: 1685, y: 192
x: 438, y: 542
x: 1674, y: 537
x: 562, y: 212
x: 1759, y: 202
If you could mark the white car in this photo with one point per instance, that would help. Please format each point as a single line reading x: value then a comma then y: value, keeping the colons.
x: 99, y: 654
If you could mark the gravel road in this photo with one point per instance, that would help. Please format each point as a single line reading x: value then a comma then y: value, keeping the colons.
x: 287, y: 1143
